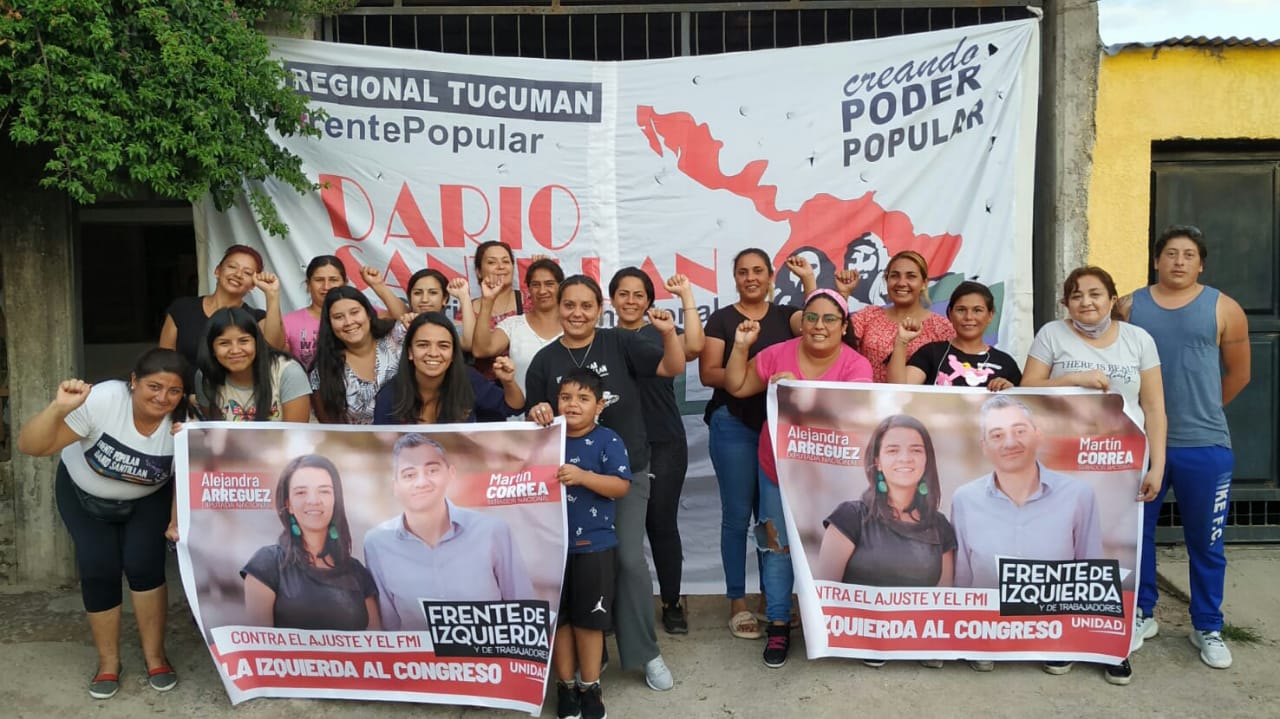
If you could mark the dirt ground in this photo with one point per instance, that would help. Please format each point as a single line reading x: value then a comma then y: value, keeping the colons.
x: 47, y: 660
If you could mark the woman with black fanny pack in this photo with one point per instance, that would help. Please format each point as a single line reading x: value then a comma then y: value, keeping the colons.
x: 114, y: 493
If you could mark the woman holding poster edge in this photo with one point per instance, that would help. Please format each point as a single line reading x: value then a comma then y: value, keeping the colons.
x: 434, y: 385
x: 964, y: 361
x: 324, y: 272
x: 242, y: 378
x: 356, y: 354
x: 308, y: 578
x: 819, y: 353
x: 1094, y: 349
x: 113, y: 492
x: 620, y: 358
x: 876, y: 328
x: 631, y: 292
x: 734, y: 422
x: 894, y: 535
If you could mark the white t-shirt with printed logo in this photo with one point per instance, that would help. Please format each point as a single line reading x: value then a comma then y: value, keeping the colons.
x: 1123, y: 361
x: 113, y: 460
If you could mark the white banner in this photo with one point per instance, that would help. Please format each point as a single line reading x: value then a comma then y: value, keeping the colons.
x: 846, y: 153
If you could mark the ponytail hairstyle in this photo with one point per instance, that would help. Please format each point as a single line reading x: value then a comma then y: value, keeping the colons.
x: 636, y: 273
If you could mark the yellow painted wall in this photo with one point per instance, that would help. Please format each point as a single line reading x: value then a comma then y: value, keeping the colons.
x: 1172, y: 93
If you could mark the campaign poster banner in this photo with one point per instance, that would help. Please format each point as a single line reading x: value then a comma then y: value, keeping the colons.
x: 843, y: 153
x: 389, y: 563
x: 943, y: 523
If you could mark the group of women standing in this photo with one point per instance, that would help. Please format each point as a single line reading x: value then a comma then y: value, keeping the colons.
x: 343, y: 360
x: 754, y: 342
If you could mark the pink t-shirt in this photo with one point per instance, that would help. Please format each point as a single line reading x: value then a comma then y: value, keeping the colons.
x: 785, y: 357
x: 300, y: 332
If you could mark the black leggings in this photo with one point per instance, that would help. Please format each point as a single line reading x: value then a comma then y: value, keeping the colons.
x: 104, y: 550
x: 668, y: 463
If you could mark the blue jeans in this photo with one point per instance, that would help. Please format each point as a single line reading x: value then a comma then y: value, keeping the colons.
x: 777, y: 575
x: 1201, y: 479
x: 733, y: 447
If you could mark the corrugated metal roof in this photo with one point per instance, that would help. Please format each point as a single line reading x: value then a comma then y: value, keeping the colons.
x: 1189, y: 41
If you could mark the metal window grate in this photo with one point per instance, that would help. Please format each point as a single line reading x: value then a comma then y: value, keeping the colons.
x: 1248, y: 520
x: 635, y: 32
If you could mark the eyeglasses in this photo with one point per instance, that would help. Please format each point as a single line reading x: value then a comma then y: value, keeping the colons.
x: 813, y: 317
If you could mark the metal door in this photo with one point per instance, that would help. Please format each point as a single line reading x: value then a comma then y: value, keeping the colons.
x: 1235, y: 200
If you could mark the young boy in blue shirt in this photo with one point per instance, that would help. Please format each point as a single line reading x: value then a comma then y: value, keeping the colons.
x: 596, y: 472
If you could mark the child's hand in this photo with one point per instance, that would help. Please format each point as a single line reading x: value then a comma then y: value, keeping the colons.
x: 542, y: 414
x: 570, y: 475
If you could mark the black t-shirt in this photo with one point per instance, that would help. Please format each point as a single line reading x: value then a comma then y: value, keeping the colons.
x: 662, y: 421
x: 892, y: 553
x: 620, y: 357
x: 189, y: 317
x: 945, y: 365
x: 311, y: 598
x: 775, y: 327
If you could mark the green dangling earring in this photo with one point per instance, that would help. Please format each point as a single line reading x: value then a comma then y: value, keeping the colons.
x: 881, y: 487
x: 294, y: 529
x: 922, y: 489
x: 333, y: 531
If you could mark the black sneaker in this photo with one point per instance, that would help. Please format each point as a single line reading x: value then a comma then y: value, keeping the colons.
x: 673, y: 619
x: 567, y: 705
x: 775, y: 650
x: 592, y: 700
x: 1057, y: 668
x: 1119, y: 674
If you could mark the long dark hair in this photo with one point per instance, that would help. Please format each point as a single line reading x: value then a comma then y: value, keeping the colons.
x: 457, y: 400
x: 924, y: 505
x: 157, y: 360
x: 331, y: 352
x: 337, y: 550
x: 213, y: 375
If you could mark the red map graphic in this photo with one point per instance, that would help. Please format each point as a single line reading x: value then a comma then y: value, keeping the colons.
x: 825, y: 222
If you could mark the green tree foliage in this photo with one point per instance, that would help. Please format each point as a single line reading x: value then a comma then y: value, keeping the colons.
x: 172, y: 95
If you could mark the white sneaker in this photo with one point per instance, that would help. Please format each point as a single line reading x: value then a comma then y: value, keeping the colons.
x: 657, y: 675
x: 1213, y: 651
x: 982, y: 665
x: 1144, y: 628
x: 931, y: 663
